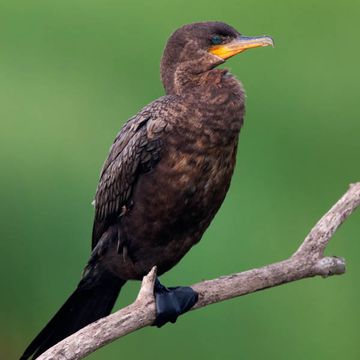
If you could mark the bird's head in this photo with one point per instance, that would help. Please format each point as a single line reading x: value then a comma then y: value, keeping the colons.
x: 199, y: 47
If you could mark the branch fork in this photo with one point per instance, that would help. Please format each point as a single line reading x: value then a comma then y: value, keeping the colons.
x: 307, y: 261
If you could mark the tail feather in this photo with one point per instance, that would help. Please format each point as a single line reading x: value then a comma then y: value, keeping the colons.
x: 84, y: 306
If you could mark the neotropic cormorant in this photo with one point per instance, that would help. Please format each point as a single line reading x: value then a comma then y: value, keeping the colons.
x: 165, y: 178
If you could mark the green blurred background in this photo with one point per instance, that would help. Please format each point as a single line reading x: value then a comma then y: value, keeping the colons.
x: 71, y: 72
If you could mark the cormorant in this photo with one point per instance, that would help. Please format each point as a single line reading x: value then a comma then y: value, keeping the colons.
x: 165, y: 178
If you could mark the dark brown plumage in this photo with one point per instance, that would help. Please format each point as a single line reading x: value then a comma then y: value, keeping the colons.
x: 166, y: 176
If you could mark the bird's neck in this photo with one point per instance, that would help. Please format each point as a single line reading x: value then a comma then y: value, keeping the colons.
x: 205, y: 84
x: 216, y: 103
x: 186, y: 76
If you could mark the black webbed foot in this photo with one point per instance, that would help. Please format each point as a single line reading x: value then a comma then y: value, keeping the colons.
x: 172, y: 302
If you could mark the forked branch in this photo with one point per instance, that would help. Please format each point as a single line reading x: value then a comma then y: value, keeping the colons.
x: 306, y: 262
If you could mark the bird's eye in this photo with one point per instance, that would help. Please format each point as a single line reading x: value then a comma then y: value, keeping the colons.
x: 216, y: 40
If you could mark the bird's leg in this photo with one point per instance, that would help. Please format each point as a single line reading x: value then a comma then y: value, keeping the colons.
x: 172, y: 302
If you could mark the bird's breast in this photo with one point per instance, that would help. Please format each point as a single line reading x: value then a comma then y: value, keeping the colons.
x: 174, y: 203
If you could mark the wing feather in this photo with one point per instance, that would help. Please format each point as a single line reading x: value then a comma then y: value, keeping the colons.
x: 136, y: 150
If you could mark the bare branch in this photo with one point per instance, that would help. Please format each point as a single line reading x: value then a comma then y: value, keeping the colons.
x: 318, y: 238
x: 307, y: 261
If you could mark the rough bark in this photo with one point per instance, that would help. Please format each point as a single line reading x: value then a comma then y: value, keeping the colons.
x: 307, y: 261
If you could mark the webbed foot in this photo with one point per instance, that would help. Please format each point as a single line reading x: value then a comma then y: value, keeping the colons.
x: 172, y: 302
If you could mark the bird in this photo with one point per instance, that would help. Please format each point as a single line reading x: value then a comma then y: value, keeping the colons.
x: 166, y: 176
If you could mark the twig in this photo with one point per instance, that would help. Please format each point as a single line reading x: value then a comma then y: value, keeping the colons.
x: 307, y: 261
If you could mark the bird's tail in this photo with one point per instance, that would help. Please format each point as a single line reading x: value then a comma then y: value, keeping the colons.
x: 92, y: 300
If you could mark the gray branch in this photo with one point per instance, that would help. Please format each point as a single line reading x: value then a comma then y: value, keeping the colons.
x: 307, y: 261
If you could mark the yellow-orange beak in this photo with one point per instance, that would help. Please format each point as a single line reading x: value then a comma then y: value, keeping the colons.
x: 239, y: 45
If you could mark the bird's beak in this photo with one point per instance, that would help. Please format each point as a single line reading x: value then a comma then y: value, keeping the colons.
x: 239, y: 45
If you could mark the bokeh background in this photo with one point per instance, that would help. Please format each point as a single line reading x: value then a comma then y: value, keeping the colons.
x: 71, y: 72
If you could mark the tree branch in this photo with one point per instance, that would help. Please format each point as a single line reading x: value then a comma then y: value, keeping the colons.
x: 307, y: 261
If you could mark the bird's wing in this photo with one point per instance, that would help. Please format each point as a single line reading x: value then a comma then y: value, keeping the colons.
x: 136, y: 150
